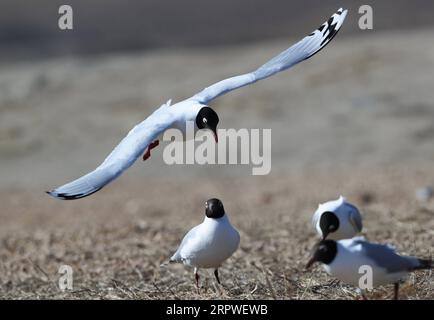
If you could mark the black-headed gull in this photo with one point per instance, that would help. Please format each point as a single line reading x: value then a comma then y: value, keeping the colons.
x: 144, y: 137
x: 337, y: 219
x: 210, y: 243
x: 343, y: 259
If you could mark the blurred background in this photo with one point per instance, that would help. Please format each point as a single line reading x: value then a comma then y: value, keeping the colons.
x: 64, y: 94
x: 30, y: 30
x: 357, y: 119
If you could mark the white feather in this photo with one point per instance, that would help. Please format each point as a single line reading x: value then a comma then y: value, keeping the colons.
x: 300, y: 51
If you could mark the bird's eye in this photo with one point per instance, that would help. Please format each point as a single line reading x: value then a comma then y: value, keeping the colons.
x: 204, y: 120
x: 331, y: 227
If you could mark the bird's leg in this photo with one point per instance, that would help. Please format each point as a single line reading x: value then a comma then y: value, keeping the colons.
x: 396, y: 291
x: 216, y: 273
x: 147, y: 153
x: 362, y: 295
x: 196, y: 276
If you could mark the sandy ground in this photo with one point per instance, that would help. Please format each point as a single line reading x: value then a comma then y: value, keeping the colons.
x: 356, y: 120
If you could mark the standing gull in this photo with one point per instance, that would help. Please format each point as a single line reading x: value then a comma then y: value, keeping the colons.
x: 209, y: 244
x: 343, y: 259
x: 144, y: 136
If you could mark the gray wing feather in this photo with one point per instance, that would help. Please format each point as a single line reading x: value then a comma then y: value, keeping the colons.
x: 120, y: 159
x: 385, y: 257
x: 356, y: 220
x: 300, y: 51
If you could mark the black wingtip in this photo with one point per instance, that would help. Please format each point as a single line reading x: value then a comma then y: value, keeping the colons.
x: 425, y: 264
x: 56, y: 195
x: 50, y: 193
x: 63, y: 196
x: 331, y: 27
x: 66, y: 196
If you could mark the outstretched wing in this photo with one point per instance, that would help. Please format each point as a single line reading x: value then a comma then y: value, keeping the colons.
x: 300, y: 51
x: 120, y: 159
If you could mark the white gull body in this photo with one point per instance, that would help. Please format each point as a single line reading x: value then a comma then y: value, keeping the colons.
x: 387, y: 266
x: 209, y: 244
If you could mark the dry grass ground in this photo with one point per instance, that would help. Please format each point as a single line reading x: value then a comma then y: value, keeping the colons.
x: 116, y: 240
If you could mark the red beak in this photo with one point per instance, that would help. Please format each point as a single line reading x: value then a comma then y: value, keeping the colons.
x: 310, y: 263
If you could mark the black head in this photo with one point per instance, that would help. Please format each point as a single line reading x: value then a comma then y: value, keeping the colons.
x: 207, y: 118
x: 328, y: 223
x: 214, y: 208
x: 324, y: 251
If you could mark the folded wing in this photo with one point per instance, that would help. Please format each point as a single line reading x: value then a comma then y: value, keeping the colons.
x: 188, y: 239
x: 300, y: 51
x: 386, y: 257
